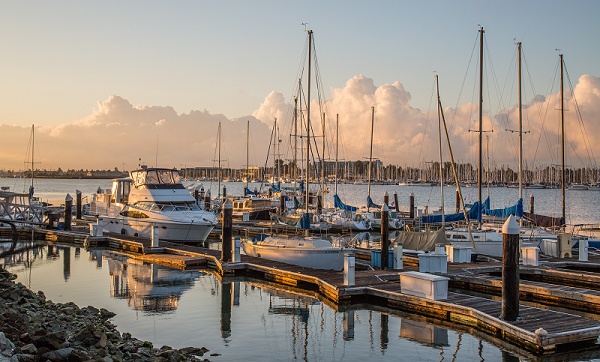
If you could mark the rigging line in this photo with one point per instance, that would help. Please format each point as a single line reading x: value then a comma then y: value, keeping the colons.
x: 579, y: 118
x: 543, y: 118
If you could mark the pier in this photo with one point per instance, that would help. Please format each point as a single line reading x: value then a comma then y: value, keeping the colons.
x: 537, y: 332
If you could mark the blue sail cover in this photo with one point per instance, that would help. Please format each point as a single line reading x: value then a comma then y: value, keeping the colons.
x: 304, y: 222
x: 370, y: 203
x: 516, y: 210
x: 471, y: 214
x: 276, y: 188
x: 337, y: 202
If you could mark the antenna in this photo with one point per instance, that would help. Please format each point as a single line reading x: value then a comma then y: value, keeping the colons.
x: 305, y: 24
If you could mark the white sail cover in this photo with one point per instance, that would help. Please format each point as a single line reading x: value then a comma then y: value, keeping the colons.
x: 422, y: 240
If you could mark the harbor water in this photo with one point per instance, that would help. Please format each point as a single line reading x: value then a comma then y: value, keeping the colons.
x: 253, y: 320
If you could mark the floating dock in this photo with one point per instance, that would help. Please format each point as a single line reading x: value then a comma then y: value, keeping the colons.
x: 538, y: 332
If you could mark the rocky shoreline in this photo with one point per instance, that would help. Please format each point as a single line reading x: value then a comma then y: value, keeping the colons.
x: 33, y: 328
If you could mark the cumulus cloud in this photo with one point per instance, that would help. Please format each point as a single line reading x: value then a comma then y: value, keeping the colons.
x: 117, y: 132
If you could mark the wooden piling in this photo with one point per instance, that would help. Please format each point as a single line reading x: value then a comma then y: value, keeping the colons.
x: 385, y: 236
x: 320, y: 203
x: 68, y: 209
x: 457, y: 205
x: 411, y: 213
x: 227, y: 231
x: 510, y: 269
x: 79, y: 206
x: 207, y: 200
x: 396, y: 201
x: 531, y: 202
x: 282, y: 202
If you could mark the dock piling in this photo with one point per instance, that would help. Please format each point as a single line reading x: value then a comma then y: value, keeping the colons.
x: 385, y: 235
x: 227, y: 230
x: 411, y: 212
x: 396, y: 202
x: 282, y: 202
x: 531, y: 203
x: 349, y: 269
x: 79, y: 206
x: 510, y: 269
x: 68, y: 209
x: 583, y: 250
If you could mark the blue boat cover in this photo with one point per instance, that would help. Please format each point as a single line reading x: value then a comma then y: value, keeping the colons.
x: 370, y: 203
x: 337, y: 202
x: 471, y: 214
x: 515, y: 210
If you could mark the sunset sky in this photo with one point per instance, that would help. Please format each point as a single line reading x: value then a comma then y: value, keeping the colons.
x: 109, y: 82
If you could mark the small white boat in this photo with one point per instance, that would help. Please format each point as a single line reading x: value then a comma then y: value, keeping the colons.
x: 309, y: 252
x: 153, y: 197
x: 487, y: 242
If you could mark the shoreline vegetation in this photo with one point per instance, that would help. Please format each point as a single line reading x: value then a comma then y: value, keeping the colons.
x: 33, y: 328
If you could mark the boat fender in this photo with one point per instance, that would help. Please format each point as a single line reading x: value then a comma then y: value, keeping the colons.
x: 315, y: 218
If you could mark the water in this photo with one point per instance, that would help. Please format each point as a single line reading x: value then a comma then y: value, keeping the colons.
x: 238, y: 320
x: 583, y: 206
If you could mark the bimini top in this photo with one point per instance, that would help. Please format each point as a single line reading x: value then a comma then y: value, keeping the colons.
x: 156, y: 178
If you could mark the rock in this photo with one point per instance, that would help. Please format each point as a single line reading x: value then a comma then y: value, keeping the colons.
x: 5, y: 343
x: 63, y: 354
x: 29, y: 349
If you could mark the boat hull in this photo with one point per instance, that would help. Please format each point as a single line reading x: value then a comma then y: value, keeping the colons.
x: 167, y: 230
x: 326, y: 259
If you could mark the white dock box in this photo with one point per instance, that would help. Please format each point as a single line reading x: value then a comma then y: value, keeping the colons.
x: 433, y: 263
x: 530, y: 255
x: 424, y: 285
x: 459, y: 254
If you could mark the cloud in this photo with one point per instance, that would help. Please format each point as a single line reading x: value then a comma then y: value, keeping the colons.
x: 117, y: 132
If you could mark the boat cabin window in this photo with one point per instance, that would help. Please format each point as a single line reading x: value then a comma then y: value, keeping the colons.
x: 167, y: 206
x: 120, y: 191
x: 156, y: 177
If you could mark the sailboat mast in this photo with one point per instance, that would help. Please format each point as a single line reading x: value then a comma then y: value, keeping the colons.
x: 308, y: 122
x: 32, y: 155
x: 323, y: 154
x: 562, y: 136
x: 437, y: 87
x: 219, y: 159
x: 371, y: 152
x: 295, y: 173
x: 337, y: 140
x: 520, y: 129
x: 274, y: 150
x: 480, y: 171
x: 247, y: 152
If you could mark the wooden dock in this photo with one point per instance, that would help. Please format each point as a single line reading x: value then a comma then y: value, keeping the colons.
x: 538, y: 331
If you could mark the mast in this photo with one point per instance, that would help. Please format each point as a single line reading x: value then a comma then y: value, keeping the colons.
x: 247, y: 152
x: 520, y: 129
x: 370, y: 153
x: 323, y: 155
x: 275, y: 143
x: 337, y: 139
x: 480, y: 171
x: 219, y: 160
x: 437, y: 87
x: 295, y: 174
x: 310, y: 32
x: 32, y: 160
x: 562, y: 136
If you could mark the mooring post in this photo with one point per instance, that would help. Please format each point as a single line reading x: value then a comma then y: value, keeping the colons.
x: 531, y: 202
x: 79, y: 206
x: 396, y: 201
x: 100, y: 229
x: 225, y: 310
x: 236, y: 249
x: 207, y: 200
x: 282, y: 202
x: 349, y: 269
x: 385, y: 236
x: 411, y: 212
x: 227, y: 230
x: 201, y: 197
x: 398, y: 262
x: 224, y: 191
x: 583, y: 250
x: 510, y: 269
x: 68, y: 209
x: 154, y: 236
x: 386, y: 198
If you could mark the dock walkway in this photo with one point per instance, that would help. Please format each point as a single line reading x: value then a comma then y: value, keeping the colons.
x: 537, y: 331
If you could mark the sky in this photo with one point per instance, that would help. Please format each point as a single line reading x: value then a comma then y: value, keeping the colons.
x: 109, y: 83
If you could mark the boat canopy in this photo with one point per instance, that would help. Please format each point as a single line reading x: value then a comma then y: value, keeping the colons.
x: 156, y: 178
x: 370, y: 203
x: 337, y: 202
x: 515, y: 210
x: 422, y: 240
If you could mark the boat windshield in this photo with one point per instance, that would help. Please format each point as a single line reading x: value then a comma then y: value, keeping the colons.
x: 155, y: 177
x: 167, y: 206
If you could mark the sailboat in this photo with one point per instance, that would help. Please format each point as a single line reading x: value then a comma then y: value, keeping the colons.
x: 305, y: 251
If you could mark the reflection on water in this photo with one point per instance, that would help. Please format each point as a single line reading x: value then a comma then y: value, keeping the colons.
x: 237, y: 319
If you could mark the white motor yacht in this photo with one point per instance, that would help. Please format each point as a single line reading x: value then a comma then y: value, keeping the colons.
x: 153, y: 197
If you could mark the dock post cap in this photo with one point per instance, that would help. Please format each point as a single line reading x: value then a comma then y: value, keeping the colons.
x: 511, y: 226
x: 68, y: 198
x: 541, y: 332
x: 385, y: 193
x: 228, y: 204
x: 385, y: 208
